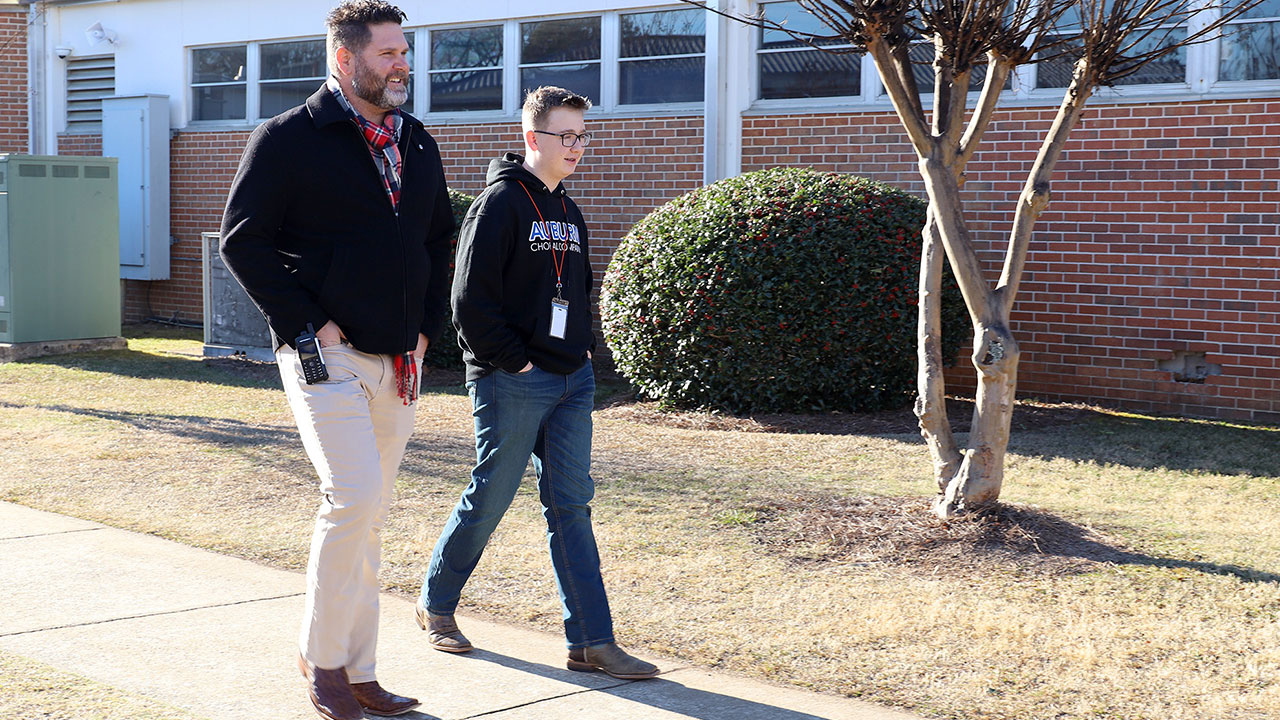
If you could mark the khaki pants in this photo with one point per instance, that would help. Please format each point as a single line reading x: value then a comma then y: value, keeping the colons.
x: 354, y: 427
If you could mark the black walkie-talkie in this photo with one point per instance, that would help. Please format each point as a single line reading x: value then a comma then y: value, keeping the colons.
x: 313, y: 370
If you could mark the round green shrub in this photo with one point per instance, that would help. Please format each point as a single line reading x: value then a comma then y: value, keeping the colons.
x: 781, y: 290
x: 445, y: 352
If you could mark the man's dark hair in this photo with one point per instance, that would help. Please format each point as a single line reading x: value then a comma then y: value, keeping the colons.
x: 349, y: 24
x: 539, y: 103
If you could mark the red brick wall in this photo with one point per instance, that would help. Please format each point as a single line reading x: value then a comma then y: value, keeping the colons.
x: 89, y: 145
x: 1163, y: 236
x: 632, y: 167
x: 623, y: 178
x: 13, y: 81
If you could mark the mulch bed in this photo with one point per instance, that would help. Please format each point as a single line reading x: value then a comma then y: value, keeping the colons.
x: 1026, y: 416
x: 904, y: 532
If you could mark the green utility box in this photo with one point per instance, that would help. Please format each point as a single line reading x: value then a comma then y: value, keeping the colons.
x: 59, y: 248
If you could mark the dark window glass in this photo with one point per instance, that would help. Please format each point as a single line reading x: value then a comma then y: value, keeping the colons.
x: 583, y: 78
x: 455, y: 91
x: 218, y: 64
x: 1251, y: 50
x: 556, y: 41
x: 466, y: 90
x: 922, y: 70
x: 1056, y: 72
x: 302, y: 59
x: 809, y: 73
x: 794, y: 18
x: 218, y: 102
x: 277, y: 97
x: 466, y: 48
x: 665, y: 80
x: 675, y: 32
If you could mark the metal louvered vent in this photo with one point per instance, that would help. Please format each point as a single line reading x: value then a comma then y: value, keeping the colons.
x: 89, y: 80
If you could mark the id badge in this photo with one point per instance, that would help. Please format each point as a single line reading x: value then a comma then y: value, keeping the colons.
x: 559, y: 318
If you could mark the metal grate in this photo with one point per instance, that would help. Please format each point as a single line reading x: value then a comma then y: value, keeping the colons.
x: 89, y: 80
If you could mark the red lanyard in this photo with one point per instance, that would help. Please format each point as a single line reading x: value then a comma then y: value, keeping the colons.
x: 558, y: 262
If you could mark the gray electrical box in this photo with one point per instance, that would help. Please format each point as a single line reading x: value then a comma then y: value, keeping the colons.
x: 233, y: 325
x: 135, y: 130
x: 59, y: 248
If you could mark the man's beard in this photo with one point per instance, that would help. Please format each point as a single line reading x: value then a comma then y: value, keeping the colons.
x: 373, y: 89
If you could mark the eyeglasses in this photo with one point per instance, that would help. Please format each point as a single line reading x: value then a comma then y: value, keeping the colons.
x: 568, y: 139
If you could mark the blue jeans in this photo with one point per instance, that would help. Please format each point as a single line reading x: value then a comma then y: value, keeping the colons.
x: 546, y: 416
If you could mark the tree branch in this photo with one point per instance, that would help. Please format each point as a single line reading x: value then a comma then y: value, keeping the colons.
x: 1035, y: 194
x: 998, y: 68
x: 907, y: 103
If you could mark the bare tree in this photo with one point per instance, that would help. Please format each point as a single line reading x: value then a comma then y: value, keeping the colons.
x: 1109, y: 40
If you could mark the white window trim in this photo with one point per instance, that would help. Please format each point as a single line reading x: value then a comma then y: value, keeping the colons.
x: 250, y: 70
x: 422, y: 69
x: 606, y: 106
x: 1202, y: 83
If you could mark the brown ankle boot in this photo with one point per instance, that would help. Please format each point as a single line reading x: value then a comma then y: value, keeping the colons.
x: 330, y: 692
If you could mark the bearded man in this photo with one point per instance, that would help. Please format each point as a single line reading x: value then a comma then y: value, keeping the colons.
x: 338, y: 226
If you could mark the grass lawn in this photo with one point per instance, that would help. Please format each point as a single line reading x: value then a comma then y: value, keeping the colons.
x: 1137, y: 575
x: 33, y: 690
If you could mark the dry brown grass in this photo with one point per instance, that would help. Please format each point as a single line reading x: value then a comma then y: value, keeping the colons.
x: 1133, y: 575
x: 33, y: 690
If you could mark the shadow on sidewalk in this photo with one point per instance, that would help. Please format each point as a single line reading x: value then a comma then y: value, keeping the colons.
x: 659, y: 692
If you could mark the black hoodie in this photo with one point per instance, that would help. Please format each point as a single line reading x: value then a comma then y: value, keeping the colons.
x: 506, y: 275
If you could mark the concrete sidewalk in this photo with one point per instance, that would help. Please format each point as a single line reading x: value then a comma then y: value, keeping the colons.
x: 217, y: 637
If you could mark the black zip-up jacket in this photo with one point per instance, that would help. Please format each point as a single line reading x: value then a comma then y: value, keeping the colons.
x: 311, y: 235
x: 505, y: 275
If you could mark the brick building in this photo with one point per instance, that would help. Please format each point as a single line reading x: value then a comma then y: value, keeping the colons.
x: 1154, y: 277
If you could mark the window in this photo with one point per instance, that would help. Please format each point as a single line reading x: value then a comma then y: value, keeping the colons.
x: 290, y: 72
x: 1251, y: 45
x: 789, y: 68
x: 661, y: 57
x: 89, y: 80
x: 561, y: 52
x: 466, y: 69
x: 1056, y: 72
x: 218, y: 83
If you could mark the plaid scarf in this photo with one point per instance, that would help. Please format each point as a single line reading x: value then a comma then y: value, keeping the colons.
x: 382, y: 141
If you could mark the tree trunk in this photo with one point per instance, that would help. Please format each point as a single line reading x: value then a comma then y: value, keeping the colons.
x: 977, y: 479
x: 976, y: 483
x: 931, y: 398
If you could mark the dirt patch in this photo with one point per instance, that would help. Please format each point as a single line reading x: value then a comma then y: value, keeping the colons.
x: 902, y: 421
x: 903, y: 531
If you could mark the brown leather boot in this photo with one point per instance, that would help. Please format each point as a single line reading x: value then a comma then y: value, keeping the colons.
x: 442, y: 630
x: 377, y: 701
x: 613, y: 660
x: 330, y: 692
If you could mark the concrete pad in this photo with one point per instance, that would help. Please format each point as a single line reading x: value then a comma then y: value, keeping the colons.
x: 23, y: 351
x: 17, y: 521
x: 90, y: 577
x: 239, y: 661
x: 217, y: 636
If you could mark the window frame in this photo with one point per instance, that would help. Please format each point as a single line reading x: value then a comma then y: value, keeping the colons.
x: 250, y: 74
x: 869, y: 89
x: 423, y: 69
x: 262, y: 82
x: 640, y: 58
x: 1214, y: 58
x: 610, y: 70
